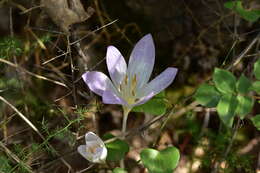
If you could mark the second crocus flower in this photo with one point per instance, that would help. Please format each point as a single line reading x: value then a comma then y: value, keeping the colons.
x: 95, y: 150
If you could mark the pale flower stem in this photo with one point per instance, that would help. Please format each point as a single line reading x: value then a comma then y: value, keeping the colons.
x: 126, y: 111
x: 122, y: 163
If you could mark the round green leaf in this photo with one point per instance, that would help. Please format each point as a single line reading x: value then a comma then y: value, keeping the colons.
x: 116, y: 149
x: 243, y: 84
x: 256, y: 121
x: 256, y: 87
x: 245, y: 105
x: 224, y: 81
x: 119, y: 170
x: 226, y: 109
x: 249, y: 15
x: 155, y: 106
x: 164, y: 161
x: 207, y: 95
x: 257, y: 69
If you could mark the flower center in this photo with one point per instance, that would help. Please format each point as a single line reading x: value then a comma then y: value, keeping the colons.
x: 93, y: 149
x: 127, y: 88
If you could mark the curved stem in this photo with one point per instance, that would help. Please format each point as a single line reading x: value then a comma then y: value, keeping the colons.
x: 126, y: 111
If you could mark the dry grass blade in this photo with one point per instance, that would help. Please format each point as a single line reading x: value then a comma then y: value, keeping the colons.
x: 242, y: 55
x: 33, y: 74
x: 83, y: 170
x: 31, y: 125
x: 41, y: 44
x: 30, y: 9
x: 110, y: 23
x: 55, y: 58
x: 22, y: 116
x: 12, y: 155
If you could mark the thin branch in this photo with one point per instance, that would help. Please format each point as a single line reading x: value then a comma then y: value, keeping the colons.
x: 242, y: 54
x: 154, y: 120
x: 250, y: 146
x: 55, y: 58
x: 110, y: 23
x: 258, y: 163
x: 72, y: 68
x: 30, y: 9
x: 205, y: 122
x: 32, y: 74
x: 22, y: 116
x: 47, y: 30
x: 83, y: 170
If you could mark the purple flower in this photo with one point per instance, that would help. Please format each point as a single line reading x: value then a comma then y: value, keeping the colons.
x: 129, y: 86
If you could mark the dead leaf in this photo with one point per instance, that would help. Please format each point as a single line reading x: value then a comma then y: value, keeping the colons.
x: 66, y: 12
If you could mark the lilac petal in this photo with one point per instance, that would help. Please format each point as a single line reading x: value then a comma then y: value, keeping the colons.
x: 161, y: 82
x: 144, y: 99
x: 141, y: 60
x: 110, y: 97
x: 97, y: 82
x: 82, y: 151
x: 90, y: 136
x: 116, y: 65
x: 100, y: 155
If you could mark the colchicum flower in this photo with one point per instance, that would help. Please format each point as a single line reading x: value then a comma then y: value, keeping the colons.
x: 129, y: 86
x: 95, y: 150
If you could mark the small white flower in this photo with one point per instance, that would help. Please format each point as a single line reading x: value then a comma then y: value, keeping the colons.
x: 95, y: 150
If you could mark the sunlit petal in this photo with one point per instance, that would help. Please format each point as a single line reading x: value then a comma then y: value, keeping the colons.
x: 109, y: 97
x: 144, y: 99
x: 161, y: 82
x: 100, y: 155
x: 92, y: 137
x: 97, y: 82
x: 116, y: 65
x: 82, y: 151
x: 141, y: 60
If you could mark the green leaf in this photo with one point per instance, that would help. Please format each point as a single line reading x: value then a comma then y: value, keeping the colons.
x: 207, y: 95
x: 256, y: 87
x: 164, y: 161
x: 245, y: 105
x: 226, y: 109
x: 6, y: 165
x: 257, y: 69
x: 224, y: 80
x: 243, y: 84
x: 10, y: 46
x: 249, y: 15
x: 119, y: 170
x: 116, y: 149
x: 256, y: 121
x: 155, y: 106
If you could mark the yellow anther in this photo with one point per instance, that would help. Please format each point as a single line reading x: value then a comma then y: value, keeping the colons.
x: 93, y: 149
x: 126, y: 79
x: 133, y: 85
x: 133, y: 92
x: 120, y: 87
x: 134, y: 81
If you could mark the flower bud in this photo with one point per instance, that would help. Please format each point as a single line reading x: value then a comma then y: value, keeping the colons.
x: 95, y: 150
